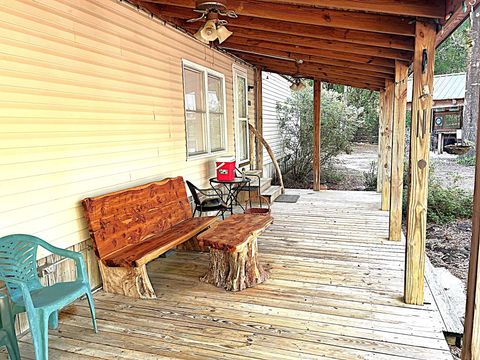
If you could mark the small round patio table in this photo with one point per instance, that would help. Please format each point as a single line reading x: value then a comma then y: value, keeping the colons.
x: 233, y: 188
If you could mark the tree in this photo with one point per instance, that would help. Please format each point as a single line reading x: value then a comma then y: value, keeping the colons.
x: 472, y: 86
x: 339, y: 124
x: 451, y: 56
x: 368, y: 103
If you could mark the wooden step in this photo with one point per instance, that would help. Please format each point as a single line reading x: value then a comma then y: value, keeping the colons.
x: 272, y: 193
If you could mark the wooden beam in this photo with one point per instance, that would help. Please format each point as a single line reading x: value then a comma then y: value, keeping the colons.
x: 239, y: 50
x: 423, y: 66
x: 471, y: 335
x: 259, y: 117
x: 387, y: 144
x: 387, y: 24
x: 427, y: 9
x: 455, y: 17
x: 398, y: 151
x: 364, y: 59
x: 381, y: 126
x: 317, y: 68
x: 359, y: 49
x: 333, y: 79
x: 291, y: 28
x: 317, y: 125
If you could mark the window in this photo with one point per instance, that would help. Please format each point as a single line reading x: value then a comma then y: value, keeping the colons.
x: 241, y: 114
x: 204, y: 110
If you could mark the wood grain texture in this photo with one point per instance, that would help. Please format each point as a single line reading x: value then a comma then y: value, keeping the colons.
x: 471, y: 344
x: 135, y: 215
x: 380, y: 152
x: 419, y: 162
x: 317, y: 125
x: 258, y: 117
x: 398, y: 151
x: 387, y: 143
x: 334, y: 292
x: 234, y: 232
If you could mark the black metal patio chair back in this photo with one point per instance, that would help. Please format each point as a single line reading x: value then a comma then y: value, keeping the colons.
x: 206, y: 200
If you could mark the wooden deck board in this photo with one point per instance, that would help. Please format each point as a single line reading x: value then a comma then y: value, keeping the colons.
x: 334, y: 292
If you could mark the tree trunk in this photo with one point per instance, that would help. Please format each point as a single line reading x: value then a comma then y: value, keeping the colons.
x: 472, y: 86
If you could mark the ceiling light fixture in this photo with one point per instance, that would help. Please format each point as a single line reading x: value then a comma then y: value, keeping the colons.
x: 214, y: 28
x: 298, y: 84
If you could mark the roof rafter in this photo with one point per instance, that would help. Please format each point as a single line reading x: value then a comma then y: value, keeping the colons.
x: 314, y: 31
x: 388, y: 24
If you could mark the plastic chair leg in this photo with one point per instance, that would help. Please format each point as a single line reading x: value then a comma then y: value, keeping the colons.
x: 13, y: 352
x: 39, y: 330
x: 92, y: 309
x: 53, y: 320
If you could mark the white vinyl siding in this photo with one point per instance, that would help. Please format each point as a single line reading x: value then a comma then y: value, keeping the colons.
x: 91, y: 102
x: 276, y: 89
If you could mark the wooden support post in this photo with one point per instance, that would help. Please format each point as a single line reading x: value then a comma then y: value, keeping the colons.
x: 423, y: 65
x: 317, y: 90
x: 471, y: 335
x: 398, y: 150
x: 387, y: 143
x: 381, y: 125
x: 259, y: 117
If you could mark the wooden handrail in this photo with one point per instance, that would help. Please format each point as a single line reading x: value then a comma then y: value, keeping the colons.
x: 270, y: 153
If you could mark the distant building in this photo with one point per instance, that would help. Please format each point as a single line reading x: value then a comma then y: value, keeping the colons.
x: 448, y: 101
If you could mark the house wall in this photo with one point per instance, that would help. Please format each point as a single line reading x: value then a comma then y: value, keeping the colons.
x: 275, y: 89
x: 91, y: 102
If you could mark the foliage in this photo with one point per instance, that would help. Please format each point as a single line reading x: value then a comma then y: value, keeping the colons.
x: 451, y: 56
x: 370, y: 177
x: 339, y: 124
x: 331, y: 175
x: 467, y: 160
x: 445, y: 205
x: 368, y: 103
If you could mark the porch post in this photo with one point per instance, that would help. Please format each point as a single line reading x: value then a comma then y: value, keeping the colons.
x: 423, y: 64
x: 381, y: 125
x: 471, y: 335
x: 258, y: 117
x: 387, y: 143
x: 398, y: 150
x: 317, y: 90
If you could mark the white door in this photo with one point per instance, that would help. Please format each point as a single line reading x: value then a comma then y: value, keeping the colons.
x: 240, y: 94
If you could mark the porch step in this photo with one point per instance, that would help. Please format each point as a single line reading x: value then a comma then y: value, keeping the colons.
x: 272, y: 193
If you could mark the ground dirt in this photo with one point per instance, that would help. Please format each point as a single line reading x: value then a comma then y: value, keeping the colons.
x: 448, y: 246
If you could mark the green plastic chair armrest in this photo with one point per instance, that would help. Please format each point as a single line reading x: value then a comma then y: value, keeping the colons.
x: 77, y: 257
x: 27, y: 298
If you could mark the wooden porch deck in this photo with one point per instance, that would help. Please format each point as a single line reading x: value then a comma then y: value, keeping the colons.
x: 334, y: 292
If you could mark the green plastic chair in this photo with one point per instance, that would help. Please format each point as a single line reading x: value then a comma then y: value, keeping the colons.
x: 18, y: 269
x: 8, y: 337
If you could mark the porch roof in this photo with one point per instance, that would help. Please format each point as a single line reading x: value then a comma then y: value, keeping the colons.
x: 352, y: 43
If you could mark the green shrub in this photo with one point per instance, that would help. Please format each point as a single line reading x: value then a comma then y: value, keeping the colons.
x: 370, y: 177
x: 445, y: 205
x: 467, y: 160
x: 330, y: 175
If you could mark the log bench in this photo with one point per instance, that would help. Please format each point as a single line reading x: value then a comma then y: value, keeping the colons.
x: 132, y: 227
x: 234, y: 263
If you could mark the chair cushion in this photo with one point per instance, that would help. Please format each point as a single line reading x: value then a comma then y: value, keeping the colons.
x: 141, y: 253
x: 49, y: 296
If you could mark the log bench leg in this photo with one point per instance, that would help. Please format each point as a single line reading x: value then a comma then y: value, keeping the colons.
x: 133, y: 282
x: 235, y: 270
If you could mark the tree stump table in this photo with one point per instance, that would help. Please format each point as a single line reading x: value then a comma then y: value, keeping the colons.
x: 234, y: 263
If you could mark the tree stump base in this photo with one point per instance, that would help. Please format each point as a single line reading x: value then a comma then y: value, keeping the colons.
x: 235, y: 270
x: 133, y: 282
x: 234, y: 263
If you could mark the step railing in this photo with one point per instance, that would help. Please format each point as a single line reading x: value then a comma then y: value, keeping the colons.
x: 270, y: 153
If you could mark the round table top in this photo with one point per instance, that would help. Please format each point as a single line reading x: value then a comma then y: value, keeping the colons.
x: 237, y: 180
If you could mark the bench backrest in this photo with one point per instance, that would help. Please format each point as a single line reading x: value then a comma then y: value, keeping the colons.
x: 133, y: 215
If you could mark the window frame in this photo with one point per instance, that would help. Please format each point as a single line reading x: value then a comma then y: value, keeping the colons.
x: 205, y: 73
x: 240, y: 71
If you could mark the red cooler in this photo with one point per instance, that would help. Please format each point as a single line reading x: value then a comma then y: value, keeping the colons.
x: 225, y: 168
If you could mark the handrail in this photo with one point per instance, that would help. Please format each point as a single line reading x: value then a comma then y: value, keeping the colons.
x: 270, y: 153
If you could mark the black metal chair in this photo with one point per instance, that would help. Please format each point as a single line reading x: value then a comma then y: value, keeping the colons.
x: 207, y: 200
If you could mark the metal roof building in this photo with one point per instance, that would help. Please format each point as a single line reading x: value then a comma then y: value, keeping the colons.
x: 448, y: 90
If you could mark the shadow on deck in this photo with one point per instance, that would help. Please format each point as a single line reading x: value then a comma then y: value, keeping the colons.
x: 334, y: 292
